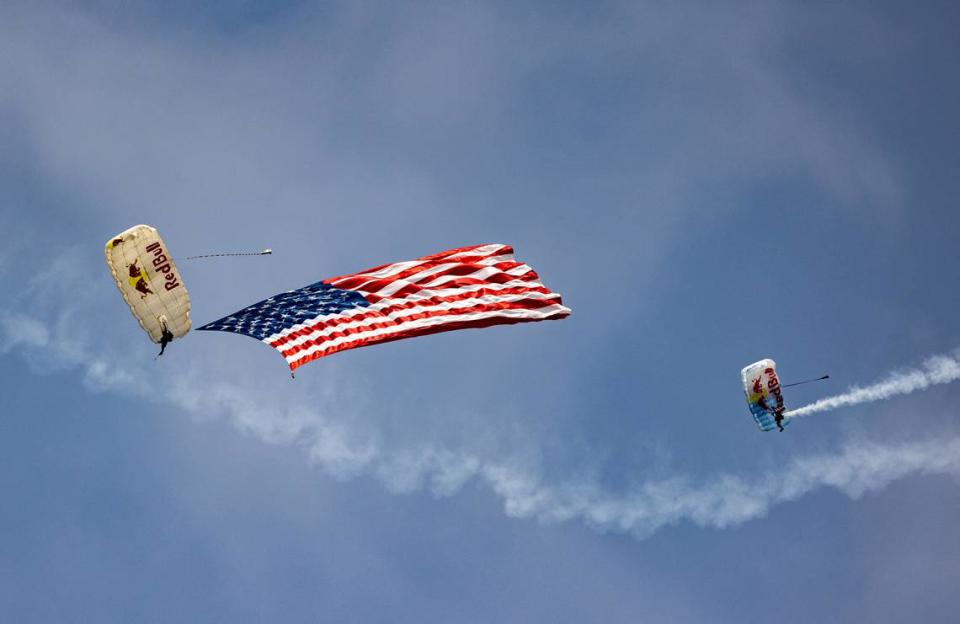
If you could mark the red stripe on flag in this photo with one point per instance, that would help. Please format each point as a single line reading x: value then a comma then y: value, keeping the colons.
x: 424, y: 331
x: 413, y: 303
x: 413, y: 275
x: 496, y: 278
x: 434, y: 258
x: 523, y: 304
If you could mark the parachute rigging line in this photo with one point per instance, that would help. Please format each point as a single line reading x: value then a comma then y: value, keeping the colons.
x: 800, y: 383
x: 265, y: 252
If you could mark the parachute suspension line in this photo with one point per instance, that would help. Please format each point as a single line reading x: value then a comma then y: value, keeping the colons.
x: 265, y: 252
x: 800, y: 383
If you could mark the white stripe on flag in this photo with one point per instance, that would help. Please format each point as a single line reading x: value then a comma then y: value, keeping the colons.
x: 423, y: 294
x: 400, y: 313
x: 538, y: 314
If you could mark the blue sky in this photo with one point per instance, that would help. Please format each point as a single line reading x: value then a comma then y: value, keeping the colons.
x: 705, y: 185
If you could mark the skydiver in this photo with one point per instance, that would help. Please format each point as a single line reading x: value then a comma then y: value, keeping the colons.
x: 166, y: 337
x: 777, y: 415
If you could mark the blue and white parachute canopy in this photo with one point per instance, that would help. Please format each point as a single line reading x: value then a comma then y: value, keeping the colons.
x: 764, y: 396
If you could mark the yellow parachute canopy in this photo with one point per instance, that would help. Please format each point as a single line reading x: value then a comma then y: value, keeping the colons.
x: 149, y: 281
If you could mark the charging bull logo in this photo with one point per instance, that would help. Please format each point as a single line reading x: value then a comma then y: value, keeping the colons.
x: 756, y: 396
x: 138, y: 280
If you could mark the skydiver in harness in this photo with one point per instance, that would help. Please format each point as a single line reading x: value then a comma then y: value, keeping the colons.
x: 777, y: 414
x: 166, y: 337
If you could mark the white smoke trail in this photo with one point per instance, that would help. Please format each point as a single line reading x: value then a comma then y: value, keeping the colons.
x: 728, y: 500
x: 940, y: 369
x: 333, y: 445
x: 52, y: 339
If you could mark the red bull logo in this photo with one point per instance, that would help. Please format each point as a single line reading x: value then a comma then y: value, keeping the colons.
x: 756, y: 396
x: 773, y: 385
x: 138, y: 280
x: 761, y: 391
x: 162, y: 266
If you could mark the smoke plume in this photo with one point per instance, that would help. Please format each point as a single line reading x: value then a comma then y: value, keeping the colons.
x: 937, y: 370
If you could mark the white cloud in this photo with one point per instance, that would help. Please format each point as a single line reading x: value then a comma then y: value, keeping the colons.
x: 216, y: 119
x: 18, y: 330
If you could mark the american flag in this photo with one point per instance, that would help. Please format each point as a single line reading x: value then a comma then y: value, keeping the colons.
x: 475, y: 286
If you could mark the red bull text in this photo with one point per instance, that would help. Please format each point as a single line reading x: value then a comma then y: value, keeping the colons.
x: 774, y: 386
x: 162, y: 266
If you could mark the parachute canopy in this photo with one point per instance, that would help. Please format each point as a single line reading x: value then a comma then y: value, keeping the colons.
x: 149, y: 281
x: 764, y: 397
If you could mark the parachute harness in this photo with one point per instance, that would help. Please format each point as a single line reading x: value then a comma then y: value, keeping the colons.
x: 166, y: 336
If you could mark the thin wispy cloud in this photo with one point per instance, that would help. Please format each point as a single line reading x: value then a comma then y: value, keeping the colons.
x: 221, y: 100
